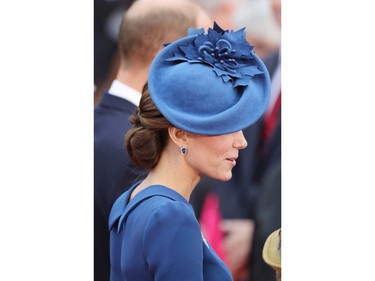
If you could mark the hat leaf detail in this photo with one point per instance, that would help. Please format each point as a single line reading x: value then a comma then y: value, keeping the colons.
x: 227, y: 52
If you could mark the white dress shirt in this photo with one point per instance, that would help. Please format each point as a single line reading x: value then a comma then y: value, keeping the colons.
x: 123, y: 91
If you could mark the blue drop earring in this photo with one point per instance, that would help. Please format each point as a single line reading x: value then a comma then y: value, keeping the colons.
x: 183, y: 149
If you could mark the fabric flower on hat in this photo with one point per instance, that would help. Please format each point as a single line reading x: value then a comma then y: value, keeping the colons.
x: 227, y: 52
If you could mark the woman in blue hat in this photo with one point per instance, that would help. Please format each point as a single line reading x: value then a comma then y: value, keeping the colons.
x: 202, y: 91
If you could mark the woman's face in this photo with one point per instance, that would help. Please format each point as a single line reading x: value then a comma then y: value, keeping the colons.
x: 214, y: 156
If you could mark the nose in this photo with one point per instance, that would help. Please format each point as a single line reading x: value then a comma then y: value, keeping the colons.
x: 239, y: 140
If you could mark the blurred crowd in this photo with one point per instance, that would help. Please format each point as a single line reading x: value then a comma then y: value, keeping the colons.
x: 236, y: 216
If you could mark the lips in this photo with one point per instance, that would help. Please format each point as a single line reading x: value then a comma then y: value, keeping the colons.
x: 232, y: 160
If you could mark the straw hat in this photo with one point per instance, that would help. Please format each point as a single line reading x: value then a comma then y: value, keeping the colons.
x: 272, y: 250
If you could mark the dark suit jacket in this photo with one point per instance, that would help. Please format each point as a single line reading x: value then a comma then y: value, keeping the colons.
x: 114, y: 172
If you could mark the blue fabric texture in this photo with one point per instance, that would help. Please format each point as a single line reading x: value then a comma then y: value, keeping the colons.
x: 156, y: 237
x: 210, y: 84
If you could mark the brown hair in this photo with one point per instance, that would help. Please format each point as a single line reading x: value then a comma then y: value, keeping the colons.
x: 143, y: 30
x: 148, y: 137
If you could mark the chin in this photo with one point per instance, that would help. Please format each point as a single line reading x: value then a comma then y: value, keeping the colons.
x: 224, y: 177
x: 220, y: 176
x: 227, y: 179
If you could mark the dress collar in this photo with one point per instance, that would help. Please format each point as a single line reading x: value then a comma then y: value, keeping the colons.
x: 123, y: 207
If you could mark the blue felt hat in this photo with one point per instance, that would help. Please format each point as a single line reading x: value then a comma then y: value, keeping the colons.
x: 210, y: 84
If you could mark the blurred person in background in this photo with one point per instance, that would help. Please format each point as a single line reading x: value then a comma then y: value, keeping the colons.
x: 223, y: 11
x: 227, y: 210
x: 261, y: 26
x: 145, y: 27
x: 107, y: 18
x: 268, y: 208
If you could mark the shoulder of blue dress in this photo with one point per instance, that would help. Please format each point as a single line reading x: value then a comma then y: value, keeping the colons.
x: 121, y: 210
x: 117, y: 210
x: 119, y: 207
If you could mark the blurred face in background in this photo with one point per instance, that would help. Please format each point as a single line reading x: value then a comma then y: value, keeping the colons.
x: 276, y: 9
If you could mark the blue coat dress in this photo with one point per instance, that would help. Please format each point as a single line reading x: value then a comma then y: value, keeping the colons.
x: 156, y: 236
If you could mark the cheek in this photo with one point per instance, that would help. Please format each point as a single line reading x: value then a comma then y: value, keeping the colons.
x: 220, y: 149
x: 210, y: 155
x: 212, y: 150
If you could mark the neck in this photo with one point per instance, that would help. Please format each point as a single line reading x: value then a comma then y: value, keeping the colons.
x: 172, y: 172
x: 134, y: 78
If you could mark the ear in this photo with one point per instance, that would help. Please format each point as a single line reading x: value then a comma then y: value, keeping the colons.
x: 178, y: 136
